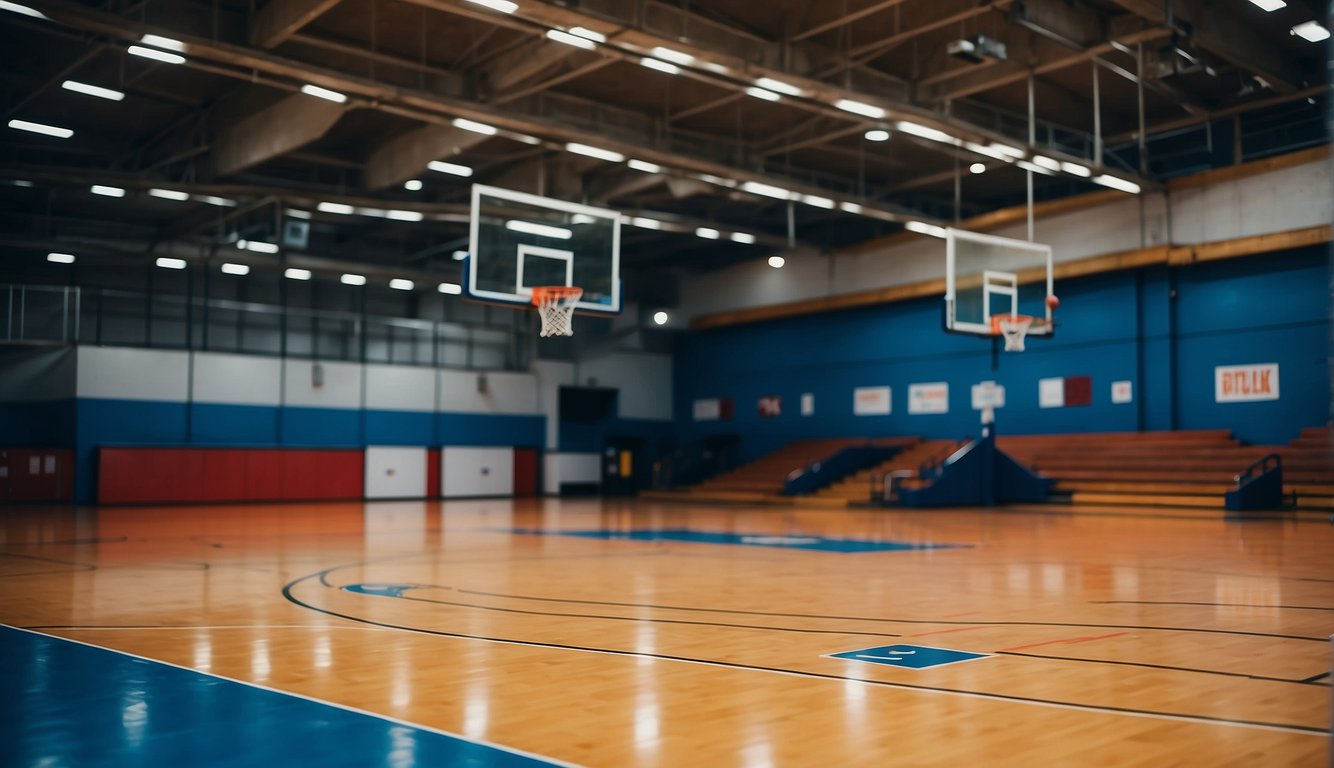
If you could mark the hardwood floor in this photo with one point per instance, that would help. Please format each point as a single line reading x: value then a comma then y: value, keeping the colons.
x: 1153, y: 638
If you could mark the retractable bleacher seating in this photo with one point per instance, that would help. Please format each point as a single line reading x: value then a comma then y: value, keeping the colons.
x: 1186, y: 468
x: 857, y: 488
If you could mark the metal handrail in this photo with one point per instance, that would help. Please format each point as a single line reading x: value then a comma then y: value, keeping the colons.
x: 1262, y: 464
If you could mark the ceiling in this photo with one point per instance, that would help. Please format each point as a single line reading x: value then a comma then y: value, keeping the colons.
x: 742, y: 117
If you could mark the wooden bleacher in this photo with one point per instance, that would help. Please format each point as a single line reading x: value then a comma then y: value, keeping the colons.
x: 856, y: 488
x: 761, y: 481
x: 1192, y: 468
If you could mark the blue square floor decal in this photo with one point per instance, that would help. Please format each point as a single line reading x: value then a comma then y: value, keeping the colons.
x: 909, y: 656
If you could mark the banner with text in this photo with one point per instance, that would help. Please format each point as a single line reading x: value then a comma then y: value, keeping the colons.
x: 871, y: 401
x: 1246, y: 383
x: 929, y: 398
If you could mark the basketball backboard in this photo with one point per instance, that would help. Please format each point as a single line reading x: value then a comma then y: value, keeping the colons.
x: 520, y: 241
x: 988, y: 276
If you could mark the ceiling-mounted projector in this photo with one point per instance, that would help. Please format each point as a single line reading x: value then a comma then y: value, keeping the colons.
x: 977, y: 49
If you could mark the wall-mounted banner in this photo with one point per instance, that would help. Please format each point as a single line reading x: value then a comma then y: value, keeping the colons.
x: 1065, y: 392
x: 929, y: 398
x: 1122, y: 392
x: 1051, y: 393
x: 871, y: 401
x: 808, y: 404
x: 771, y: 405
x: 713, y: 409
x: 1246, y: 383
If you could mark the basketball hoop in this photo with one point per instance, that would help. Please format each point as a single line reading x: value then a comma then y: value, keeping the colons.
x: 555, y: 305
x: 1014, y: 328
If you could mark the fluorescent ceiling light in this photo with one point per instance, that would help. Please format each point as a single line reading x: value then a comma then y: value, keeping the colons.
x: 219, y: 201
x: 718, y: 180
x: 235, y: 269
x: 569, y: 39
x: 169, y: 194
x: 22, y: 9
x: 923, y: 228
x: 504, y: 6
x: 451, y: 288
x: 640, y: 165
x: 454, y: 169
x: 877, y: 134
x: 660, y: 318
x: 1312, y: 31
x: 323, y: 93
x: 988, y: 151
x: 20, y: 183
x: 977, y: 168
x: 541, y: 230
x: 105, y: 191
x: 474, y: 126
x: 1006, y: 150
x: 526, y: 139
x: 742, y: 237
x: 60, y: 258
x: 1268, y: 5
x: 292, y: 273
x: 646, y: 223
x: 676, y: 57
x: 1046, y: 162
x: 350, y: 279
x: 413, y: 185
x: 402, y: 215
x: 399, y: 284
x: 768, y: 83
x: 1034, y: 167
x: 583, y: 218
x: 768, y: 190
x: 258, y: 246
x: 297, y: 213
x: 460, y: 255
x: 851, y: 207
x: 588, y: 34
x: 167, y: 262
x: 859, y: 108
x: 1075, y: 169
x: 601, y: 154
x: 156, y: 55
x: 762, y: 93
x: 661, y: 66
x: 817, y: 201
x: 1117, y: 183
x: 777, y: 262
x: 92, y: 90
x: 925, y: 132
x: 708, y: 233
x: 158, y: 41
x: 335, y: 208
x: 47, y: 130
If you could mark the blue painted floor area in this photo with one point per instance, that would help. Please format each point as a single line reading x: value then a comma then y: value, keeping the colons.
x: 67, y: 704
x: 910, y: 656
x: 744, y: 539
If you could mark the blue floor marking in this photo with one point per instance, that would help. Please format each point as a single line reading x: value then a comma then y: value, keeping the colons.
x: 909, y: 656
x: 65, y: 703
x: 745, y: 539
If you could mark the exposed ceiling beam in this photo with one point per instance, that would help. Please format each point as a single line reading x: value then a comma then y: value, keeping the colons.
x: 1225, y: 34
x: 405, y: 157
x: 281, y: 19
x: 845, y: 19
x: 293, y: 122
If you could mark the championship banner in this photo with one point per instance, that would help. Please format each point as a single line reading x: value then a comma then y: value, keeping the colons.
x: 1245, y: 383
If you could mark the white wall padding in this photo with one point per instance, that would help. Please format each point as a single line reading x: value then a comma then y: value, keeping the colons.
x: 395, y: 472
x: 476, y: 472
x: 561, y: 468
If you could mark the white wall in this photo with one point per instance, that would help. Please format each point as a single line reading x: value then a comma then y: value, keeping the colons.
x: 476, y: 472
x: 551, y: 375
x: 400, y: 388
x: 32, y: 375
x: 394, y: 472
x: 341, y: 387
x: 559, y: 468
x: 1291, y: 198
x: 514, y: 393
x: 121, y: 373
x: 237, y: 379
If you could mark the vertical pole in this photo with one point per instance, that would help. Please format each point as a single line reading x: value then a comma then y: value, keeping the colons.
x: 1032, y: 140
x: 78, y: 312
x: 1139, y: 93
x: 1097, y: 117
x: 958, y: 194
x: 64, y: 314
x: 204, y: 315
x: 23, y: 312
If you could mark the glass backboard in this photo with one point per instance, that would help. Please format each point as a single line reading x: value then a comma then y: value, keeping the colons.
x: 987, y: 276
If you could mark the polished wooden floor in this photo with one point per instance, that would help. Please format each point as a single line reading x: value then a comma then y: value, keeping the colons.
x: 1158, y: 638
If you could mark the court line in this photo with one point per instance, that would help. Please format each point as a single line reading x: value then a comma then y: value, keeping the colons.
x: 868, y: 618
x: 1168, y: 667
x: 1100, y: 709
x: 1065, y: 641
x: 140, y: 627
x: 336, y: 705
x: 1221, y: 605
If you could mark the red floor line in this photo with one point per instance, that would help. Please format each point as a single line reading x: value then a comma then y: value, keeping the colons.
x: 1065, y: 641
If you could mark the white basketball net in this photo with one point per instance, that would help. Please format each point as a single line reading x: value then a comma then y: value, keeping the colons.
x: 557, y: 313
x: 1014, y: 328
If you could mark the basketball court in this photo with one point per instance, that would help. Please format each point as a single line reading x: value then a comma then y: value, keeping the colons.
x: 489, y: 383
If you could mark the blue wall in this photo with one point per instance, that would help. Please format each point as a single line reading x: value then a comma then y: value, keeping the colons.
x: 1111, y: 327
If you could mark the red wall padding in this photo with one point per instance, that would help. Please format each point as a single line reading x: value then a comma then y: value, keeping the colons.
x: 147, y: 475
x: 433, y: 473
x: 525, y: 471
